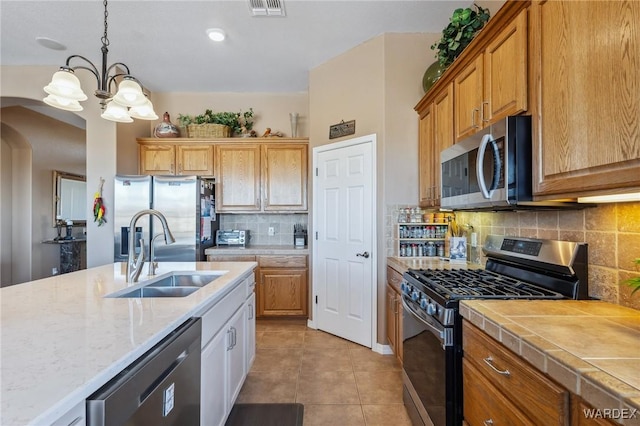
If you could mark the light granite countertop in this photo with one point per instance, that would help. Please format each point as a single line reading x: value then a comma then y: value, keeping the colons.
x: 62, y: 340
x: 284, y: 250
x: 590, y: 347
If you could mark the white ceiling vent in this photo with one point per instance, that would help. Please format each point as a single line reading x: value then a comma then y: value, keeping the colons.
x: 267, y: 7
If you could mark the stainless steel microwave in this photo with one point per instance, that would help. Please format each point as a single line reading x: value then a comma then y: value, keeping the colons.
x: 492, y: 170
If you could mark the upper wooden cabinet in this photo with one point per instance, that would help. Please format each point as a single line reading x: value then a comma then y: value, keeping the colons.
x: 436, y: 134
x: 493, y: 84
x: 261, y: 177
x: 176, y: 159
x: 284, y: 177
x: 585, y: 66
x: 252, y: 175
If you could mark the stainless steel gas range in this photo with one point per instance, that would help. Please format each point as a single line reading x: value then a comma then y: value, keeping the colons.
x: 516, y: 268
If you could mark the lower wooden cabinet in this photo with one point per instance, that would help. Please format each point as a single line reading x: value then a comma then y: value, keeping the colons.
x: 282, y: 288
x: 579, y: 416
x: 499, y: 385
x: 394, y: 312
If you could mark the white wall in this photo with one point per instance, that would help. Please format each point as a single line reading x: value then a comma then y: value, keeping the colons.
x: 27, y: 82
x: 376, y: 84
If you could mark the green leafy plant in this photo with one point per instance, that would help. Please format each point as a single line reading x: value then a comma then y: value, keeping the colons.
x: 235, y: 120
x: 462, y: 28
x: 634, y: 283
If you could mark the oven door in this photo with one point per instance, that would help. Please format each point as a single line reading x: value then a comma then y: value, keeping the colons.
x: 429, y: 368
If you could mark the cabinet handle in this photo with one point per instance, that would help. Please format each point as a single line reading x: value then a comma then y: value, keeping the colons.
x: 76, y: 421
x: 233, y: 337
x: 473, y: 117
x: 250, y: 311
x: 489, y: 361
x: 482, y: 111
x: 488, y: 422
x: 230, y: 339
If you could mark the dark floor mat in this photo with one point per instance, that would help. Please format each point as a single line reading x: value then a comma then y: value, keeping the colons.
x: 266, y: 415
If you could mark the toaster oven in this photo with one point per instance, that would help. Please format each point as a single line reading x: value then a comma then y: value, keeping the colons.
x: 232, y: 237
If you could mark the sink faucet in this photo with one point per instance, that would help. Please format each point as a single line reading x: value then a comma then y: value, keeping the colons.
x: 135, y: 263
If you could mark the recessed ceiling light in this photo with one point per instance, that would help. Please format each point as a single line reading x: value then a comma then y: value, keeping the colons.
x: 50, y: 43
x: 216, y: 34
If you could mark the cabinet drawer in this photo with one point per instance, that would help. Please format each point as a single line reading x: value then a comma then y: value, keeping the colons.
x: 394, y: 278
x: 484, y: 404
x: 230, y: 258
x: 214, y: 317
x: 538, y: 397
x: 282, y: 261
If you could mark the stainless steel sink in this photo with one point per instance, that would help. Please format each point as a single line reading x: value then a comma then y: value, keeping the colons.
x: 174, y: 284
x: 149, y: 291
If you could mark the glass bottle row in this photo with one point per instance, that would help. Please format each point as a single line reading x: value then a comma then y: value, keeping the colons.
x: 423, y: 231
x: 428, y: 249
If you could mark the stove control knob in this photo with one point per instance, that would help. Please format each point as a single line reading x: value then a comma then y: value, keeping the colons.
x: 405, y: 287
x: 415, y: 296
x: 423, y: 303
x: 432, y: 308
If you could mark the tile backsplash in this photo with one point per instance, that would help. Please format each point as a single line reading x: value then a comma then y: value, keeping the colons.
x: 259, y: 225
x: 611, y: 230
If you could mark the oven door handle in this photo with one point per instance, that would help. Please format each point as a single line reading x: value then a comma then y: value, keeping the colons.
x: 439, y: 333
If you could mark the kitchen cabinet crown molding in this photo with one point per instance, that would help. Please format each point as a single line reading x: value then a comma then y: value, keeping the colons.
x: 223, y: 141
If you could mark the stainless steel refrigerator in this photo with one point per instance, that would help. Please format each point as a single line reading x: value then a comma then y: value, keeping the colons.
x: 186, y: 201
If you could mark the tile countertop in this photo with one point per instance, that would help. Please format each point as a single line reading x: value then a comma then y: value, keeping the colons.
x: 258, y: 250
x: 590, y: 347
x: 62, y: 340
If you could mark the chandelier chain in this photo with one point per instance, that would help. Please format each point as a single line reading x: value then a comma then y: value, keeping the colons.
x: 105, y: 39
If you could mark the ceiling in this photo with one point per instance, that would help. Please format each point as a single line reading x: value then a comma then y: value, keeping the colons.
x: 165, y: 45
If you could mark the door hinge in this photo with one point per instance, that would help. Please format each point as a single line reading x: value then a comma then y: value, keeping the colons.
x: 316, y: 171
x: 316, y: 299
x: 316, y: 235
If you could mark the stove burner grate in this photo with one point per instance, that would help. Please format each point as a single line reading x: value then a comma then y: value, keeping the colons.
x: 476, y: 283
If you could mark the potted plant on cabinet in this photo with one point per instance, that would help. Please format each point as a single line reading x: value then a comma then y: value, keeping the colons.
x: 218, y: 124
x: 463, y: 26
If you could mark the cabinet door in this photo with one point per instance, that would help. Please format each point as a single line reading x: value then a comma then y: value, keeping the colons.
x: 237, y: 354
x: 157, y: 159
x: 214, y: 377
x: 195, y: 160
x: 238, y: 178
x: 505, y: 72
x: 285, y: 177
x: 283, y: 292
x: 586, y: 133
x: 392, y: 337
x: 468, y: 99
x: 484, y: 404
x: 426, y: 141
x: 251, y: 330
x: 444, y: 128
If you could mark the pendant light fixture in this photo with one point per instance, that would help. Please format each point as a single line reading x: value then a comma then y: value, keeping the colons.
x: 64, y: 91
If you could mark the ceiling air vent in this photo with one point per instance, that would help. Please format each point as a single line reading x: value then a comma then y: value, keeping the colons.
x: 267, y: 7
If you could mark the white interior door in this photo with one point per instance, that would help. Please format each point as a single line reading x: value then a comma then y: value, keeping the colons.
x: 344, y: 239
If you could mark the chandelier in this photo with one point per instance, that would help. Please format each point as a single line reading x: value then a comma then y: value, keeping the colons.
x: 129, y: 102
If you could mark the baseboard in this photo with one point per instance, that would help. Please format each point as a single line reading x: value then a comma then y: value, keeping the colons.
x: 382, y: 349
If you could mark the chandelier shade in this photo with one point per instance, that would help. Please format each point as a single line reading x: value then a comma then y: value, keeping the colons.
x: 66, y: 85
x: 116, y: 112
x: 129, y: 100
x: 62, y: 103
x: 143, y: 112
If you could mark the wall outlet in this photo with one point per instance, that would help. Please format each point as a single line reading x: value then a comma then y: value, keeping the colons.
x: 54, y: 271
x: 272, y: 231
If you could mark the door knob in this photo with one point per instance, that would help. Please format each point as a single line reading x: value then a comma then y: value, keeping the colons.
x: 364, y: 254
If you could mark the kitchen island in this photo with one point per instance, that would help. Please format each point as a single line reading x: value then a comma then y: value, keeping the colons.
x: 62, y: 339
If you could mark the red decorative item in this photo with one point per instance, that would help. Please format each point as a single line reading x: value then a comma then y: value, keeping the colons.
x: 98, y: 206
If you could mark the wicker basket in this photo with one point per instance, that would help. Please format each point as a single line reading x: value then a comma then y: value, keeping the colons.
x: 208, y: 131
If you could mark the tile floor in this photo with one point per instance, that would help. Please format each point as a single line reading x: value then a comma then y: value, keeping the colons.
x: 339, y: 382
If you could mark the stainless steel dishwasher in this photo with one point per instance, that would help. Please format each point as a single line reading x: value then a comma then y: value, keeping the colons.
x: 162, y: 387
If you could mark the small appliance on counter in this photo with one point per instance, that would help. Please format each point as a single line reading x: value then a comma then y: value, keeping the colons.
x: 299, y: 235
x: 233, y: 237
